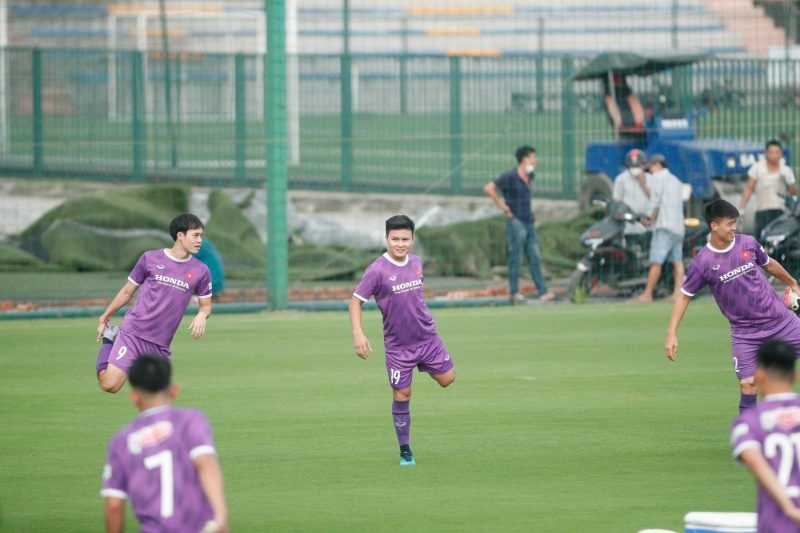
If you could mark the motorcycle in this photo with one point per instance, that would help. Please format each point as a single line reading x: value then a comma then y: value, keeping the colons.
x: 621, y: 261
x: 781, y: 237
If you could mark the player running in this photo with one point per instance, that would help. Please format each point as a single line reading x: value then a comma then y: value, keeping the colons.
x: 164, y: 461
x: 729, y: 265
x: 168, y: 278
x: 765, y: 439
x: 409, y: 333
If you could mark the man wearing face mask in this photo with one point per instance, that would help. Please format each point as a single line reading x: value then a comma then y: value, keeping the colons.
x: 632, y: 187
x: 520, y: 231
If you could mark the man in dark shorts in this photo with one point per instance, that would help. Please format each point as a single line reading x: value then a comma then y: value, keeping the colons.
x: 731, y: 265
x: 168, y: 279
x: 409, y: 332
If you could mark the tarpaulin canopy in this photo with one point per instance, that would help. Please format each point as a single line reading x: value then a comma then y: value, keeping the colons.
x: 629, y: 63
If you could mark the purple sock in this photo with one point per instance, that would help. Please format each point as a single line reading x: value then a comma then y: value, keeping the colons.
x: 746, y: 401
x: 102, y: 357
x: 402, y: 421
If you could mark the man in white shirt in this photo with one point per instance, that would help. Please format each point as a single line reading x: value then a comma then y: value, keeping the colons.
x: 771, y: 178
x: 666, y: 218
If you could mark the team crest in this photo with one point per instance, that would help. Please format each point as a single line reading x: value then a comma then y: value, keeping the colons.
x: 418, y: 272
x: 746, y: 254
x: 189, y: 275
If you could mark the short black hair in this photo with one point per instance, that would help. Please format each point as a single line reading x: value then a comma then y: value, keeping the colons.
x: 151, y: 373
x: 660, y: 159
x: 777, y: 357
x: 773, y: 142
x: 718, y: 209
x: 399, y: 222
x: 183, y: 223
x: 524, y: 151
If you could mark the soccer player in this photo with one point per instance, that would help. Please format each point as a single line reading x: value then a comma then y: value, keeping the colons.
x: 729, y: 265
x: 409, y: 333
x: 169, y: 278
x: 765, y: 439
x: 164, y: 461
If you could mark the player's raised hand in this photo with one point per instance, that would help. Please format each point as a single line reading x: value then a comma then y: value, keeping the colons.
x: 671, y: 346
x: 362, y: 346
x: 198, y: 325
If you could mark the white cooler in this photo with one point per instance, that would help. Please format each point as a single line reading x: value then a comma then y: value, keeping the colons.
x: 720, y: 522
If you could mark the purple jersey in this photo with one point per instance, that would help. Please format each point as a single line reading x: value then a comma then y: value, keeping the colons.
x: 167, y: 285
x: 741, y: 290
x: 773, y: 426
x: 397, y: 288
x: 150, y: 462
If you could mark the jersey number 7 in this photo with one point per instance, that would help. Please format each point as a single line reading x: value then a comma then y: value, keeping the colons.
x: 163, y: 460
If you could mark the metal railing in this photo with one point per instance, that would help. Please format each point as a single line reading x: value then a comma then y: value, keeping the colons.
x: 411, y: 123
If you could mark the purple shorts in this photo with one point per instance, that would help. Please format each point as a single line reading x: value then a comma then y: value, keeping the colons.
x: 127, y: 348
x: 431, y: 357
x: 744, y: 348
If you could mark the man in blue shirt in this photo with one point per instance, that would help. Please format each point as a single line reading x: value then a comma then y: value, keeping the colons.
x: 520, y: 232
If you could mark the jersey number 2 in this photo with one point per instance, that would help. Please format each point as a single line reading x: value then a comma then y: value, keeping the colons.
x: 788, y: 447
x: 163, y: 460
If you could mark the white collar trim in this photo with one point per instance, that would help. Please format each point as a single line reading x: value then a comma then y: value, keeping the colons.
x: 728, y: 249
x: 154, y: 410
x: 781, y: 396
x: 394, y: 261
x: 166, y: 252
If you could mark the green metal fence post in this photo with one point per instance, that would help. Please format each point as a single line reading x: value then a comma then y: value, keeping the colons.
x: 241, y: 125
x: 685, y: 85
x: 138, y: 130
x: 277, y: 175
x: 540, y: 69
x: 403, y: 84
x: 346, y: 103
x: 456, y: 147
x: 38, y: 116
x: 567, y: 128
x: 347, y: 124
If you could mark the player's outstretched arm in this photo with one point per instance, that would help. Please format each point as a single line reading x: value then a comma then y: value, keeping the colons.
x: 123, y: 297
x: 210, y: 475
x: 758, y: 465
x: 198, y: 325
x: 115, y: 515
x: 678, y: 310
x: 360, y: 341
x: 776, y: 270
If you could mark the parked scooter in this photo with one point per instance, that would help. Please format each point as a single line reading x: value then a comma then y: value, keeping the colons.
x: 781, y: 237
x: 621, y: 261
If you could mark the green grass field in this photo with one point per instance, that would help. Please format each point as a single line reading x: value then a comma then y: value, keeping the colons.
x: 563, y: 418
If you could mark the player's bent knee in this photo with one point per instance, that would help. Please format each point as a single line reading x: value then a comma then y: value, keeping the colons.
x: 110, y: 387
x: 444, y: 380
x: 110, y: 382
